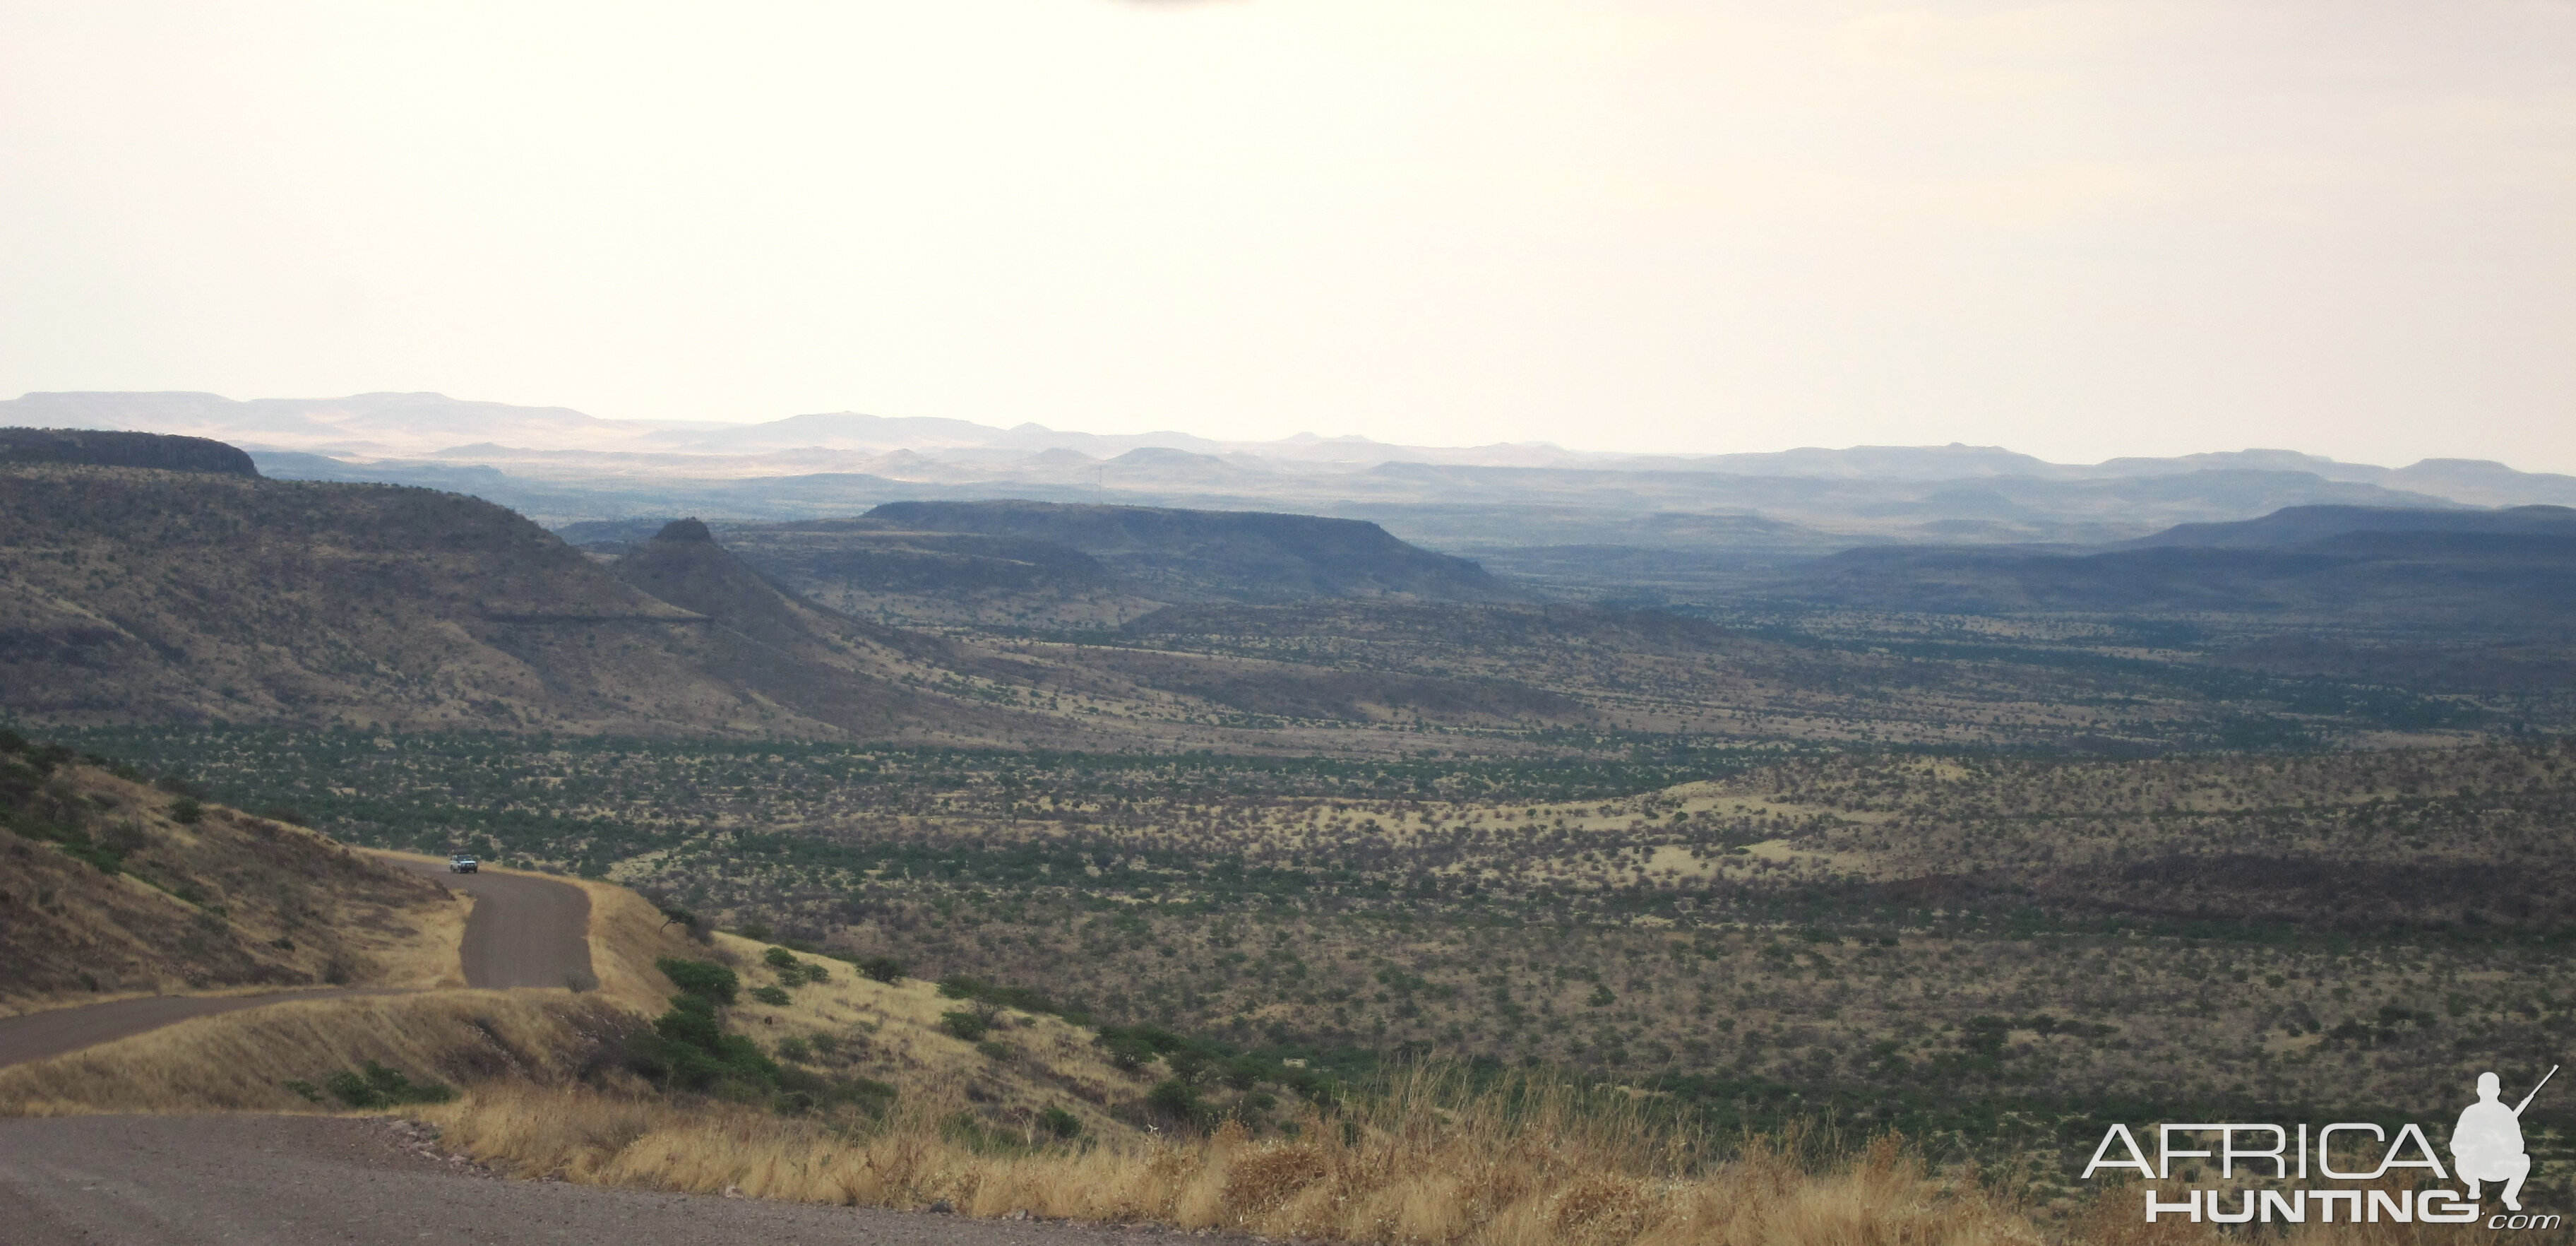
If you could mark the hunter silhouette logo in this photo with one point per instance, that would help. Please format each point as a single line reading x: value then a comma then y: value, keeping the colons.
x: 2487, y: 1145
x: 2486, y: 1148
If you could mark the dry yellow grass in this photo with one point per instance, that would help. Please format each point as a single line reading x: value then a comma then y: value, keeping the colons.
x: 226, y: 903
x: 425, y: 959
x: 1426, y: 1163
x: 891, y: 1032
x: 627, y: 934
x: 241, y: 1061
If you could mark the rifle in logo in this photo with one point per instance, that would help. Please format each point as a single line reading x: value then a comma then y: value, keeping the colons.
x: 2487, y: 1145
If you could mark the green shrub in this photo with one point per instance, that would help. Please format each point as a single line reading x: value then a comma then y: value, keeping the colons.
x: 965, y: 1023
x: 309, y: 1092
x: 999, y: 1052
x: 1127, y: 1054
x: 187, y: 812
x: 704, y: 979
x: 781, y: 959
x: 794, y: 1048
x: 1061, y: 1123
x: 107, y: 860
x: 1243, y: 1072
x: 884, y: 969
x: 865, y: 1091
x: 1178, y: 1100
x: 376, y: 1086
x: 775, y: 997
x: 75, y: 842
x: 757, y: 932
x: 1188, y: 1063
x: 689, y: 1048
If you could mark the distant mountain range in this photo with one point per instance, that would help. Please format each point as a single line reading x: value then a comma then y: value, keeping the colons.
x: 1069, y: 564
x: 2508, y: 574
x: 154, y: 580
x: 1537, y: 511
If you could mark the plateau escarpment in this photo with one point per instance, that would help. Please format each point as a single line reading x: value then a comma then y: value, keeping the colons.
x: 137, y: 595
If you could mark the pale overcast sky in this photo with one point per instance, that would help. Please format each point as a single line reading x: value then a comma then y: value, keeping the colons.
x: 2077, y: 229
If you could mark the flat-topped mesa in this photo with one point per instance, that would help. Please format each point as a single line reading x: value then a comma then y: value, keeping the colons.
x: 99, y: 448
x: 685, y: 530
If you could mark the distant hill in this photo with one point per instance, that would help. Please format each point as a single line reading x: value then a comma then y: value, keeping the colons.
x: 2483, y: 572
x: 2307, y: 525
x: 823, y: 665
x: 1194, y: 555
x: 110, y: 449
x: 1045, y: 564
x: 130, y: 595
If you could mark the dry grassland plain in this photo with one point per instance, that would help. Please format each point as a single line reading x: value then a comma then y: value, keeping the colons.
x: 1997, y: 956
x: 1420, y: 1153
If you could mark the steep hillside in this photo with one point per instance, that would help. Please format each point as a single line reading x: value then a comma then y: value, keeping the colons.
x: 137, y: 596
x: 823, y: 666
x: 108, y: 887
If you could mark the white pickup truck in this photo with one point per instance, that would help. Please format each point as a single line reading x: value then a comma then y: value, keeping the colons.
x: 463, y: 863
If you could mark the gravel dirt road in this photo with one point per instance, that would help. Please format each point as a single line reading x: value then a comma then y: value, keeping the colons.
x: 39, y: 1035
x: 304, y: 1181
x: 524, y: 931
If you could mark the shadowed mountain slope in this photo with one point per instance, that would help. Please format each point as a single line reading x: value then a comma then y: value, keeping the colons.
x: 131, y: 595
x: 821, y: 664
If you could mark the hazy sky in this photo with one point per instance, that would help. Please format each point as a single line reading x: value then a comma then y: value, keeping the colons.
x: 2078, y: 229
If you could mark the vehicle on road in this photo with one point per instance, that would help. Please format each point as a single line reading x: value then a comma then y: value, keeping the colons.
x: 463, y: 863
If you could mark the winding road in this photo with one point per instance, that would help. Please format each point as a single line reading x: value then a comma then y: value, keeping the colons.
x: 310, y: 1180
x: 525, y: 931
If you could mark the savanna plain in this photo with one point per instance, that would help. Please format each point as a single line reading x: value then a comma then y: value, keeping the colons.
x: 1453, y: 908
